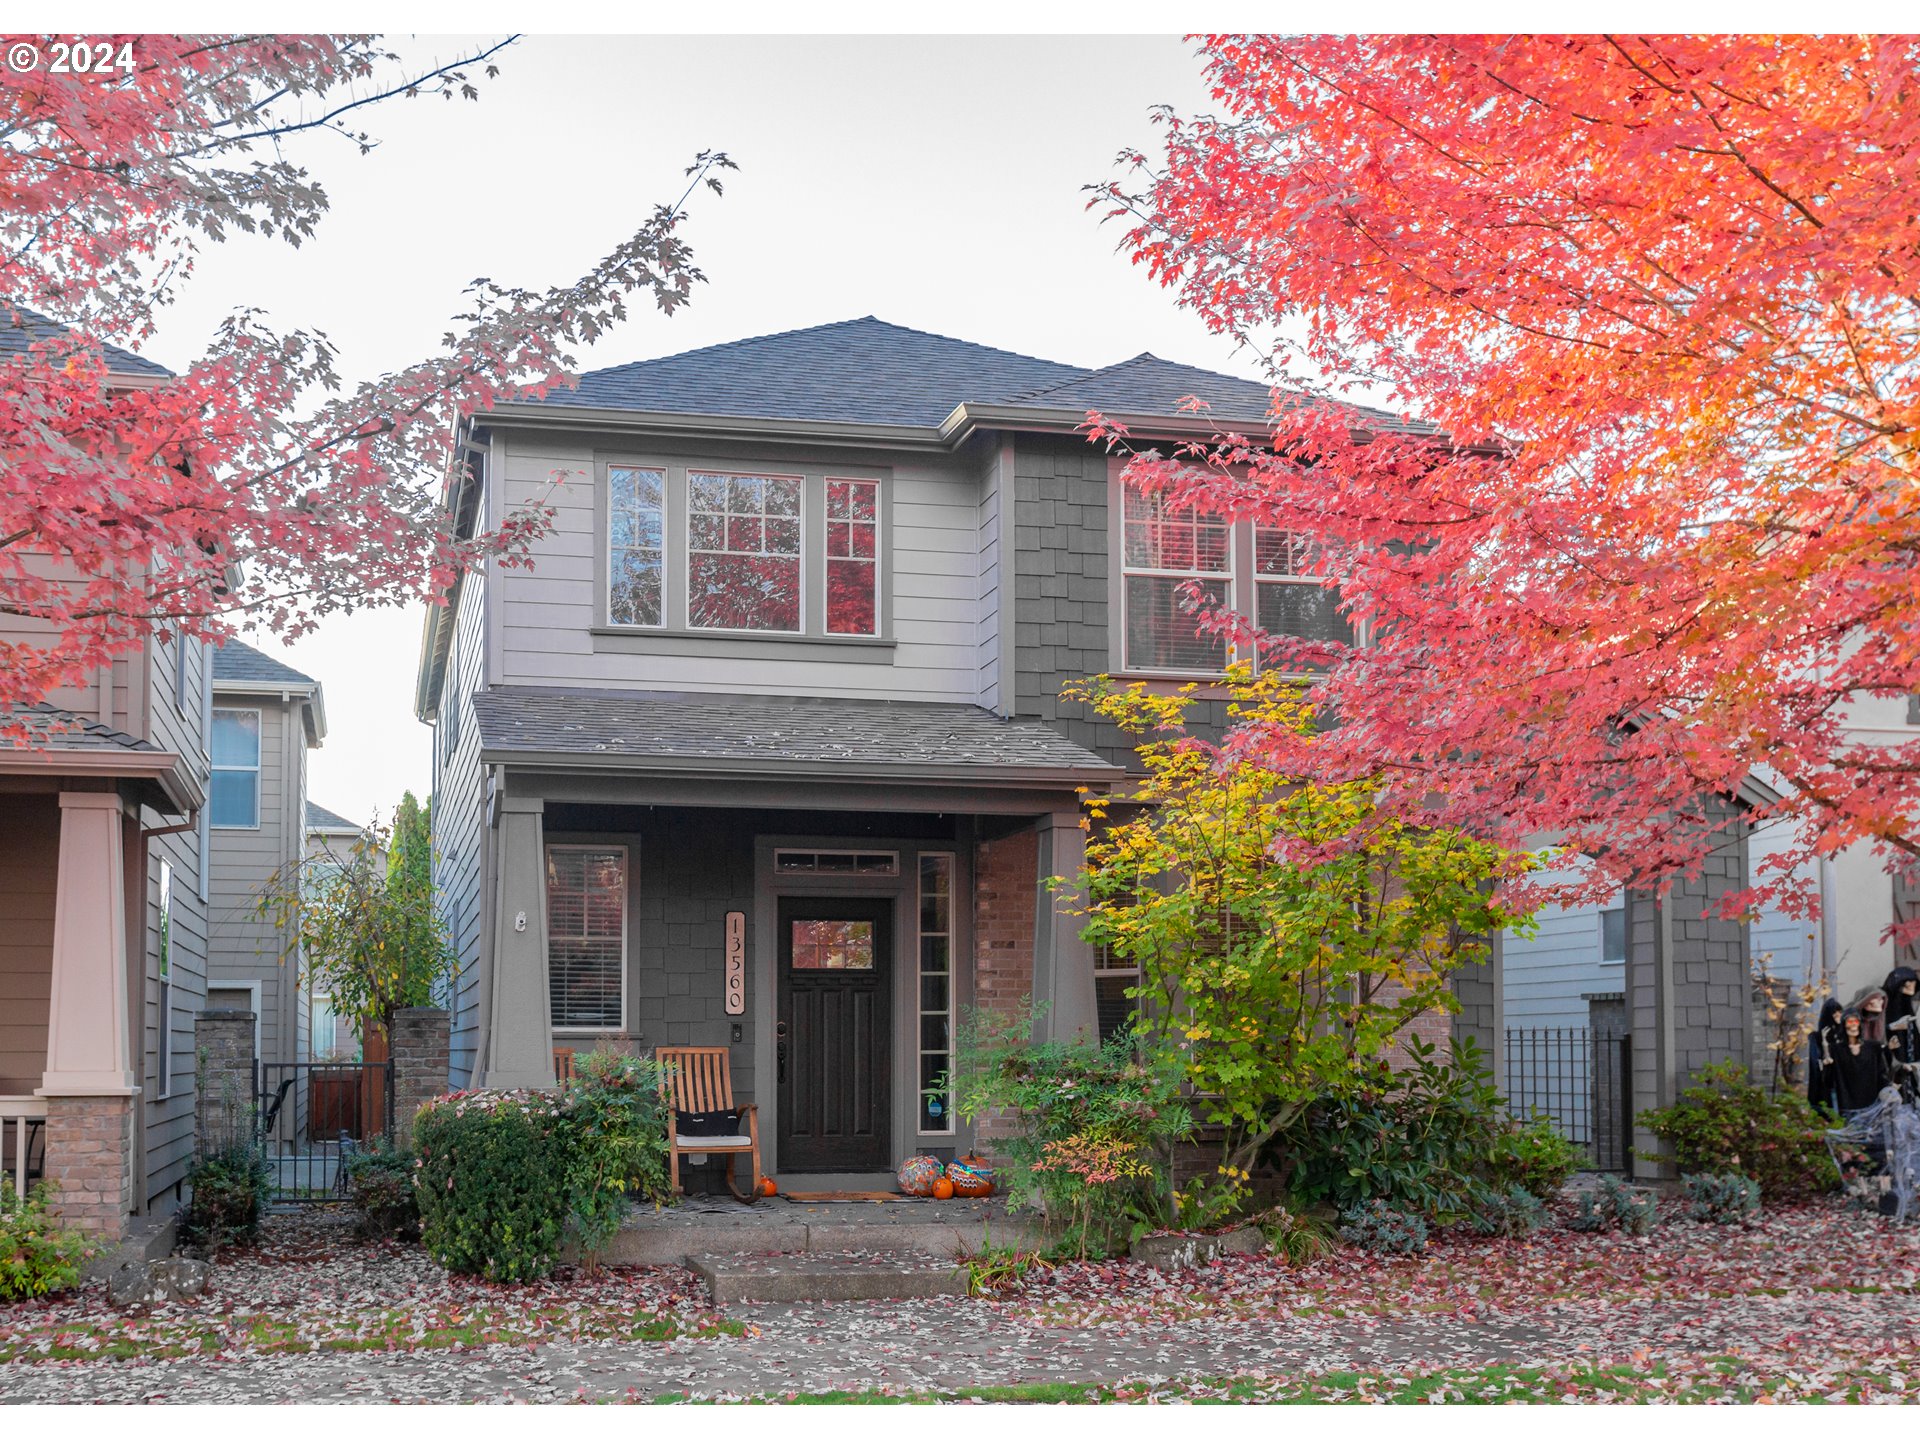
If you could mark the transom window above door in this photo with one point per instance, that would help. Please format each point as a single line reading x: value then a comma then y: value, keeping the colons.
x: 706, y: 550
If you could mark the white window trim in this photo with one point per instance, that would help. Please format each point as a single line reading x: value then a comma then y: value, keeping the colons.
x: 1231, y: 575
x: 626, y: 903
x: 164, y: 967
x: 260, y: 731
x: 687, y: 552
x: 919, y: 980
x: 666, y: 545
x: 1600, y: 926
x: 879, y: 558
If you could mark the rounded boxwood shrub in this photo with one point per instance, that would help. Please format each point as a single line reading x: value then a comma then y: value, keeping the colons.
x: 494, y: 1181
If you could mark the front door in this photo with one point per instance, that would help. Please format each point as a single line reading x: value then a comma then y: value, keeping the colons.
x: 834, y: 1041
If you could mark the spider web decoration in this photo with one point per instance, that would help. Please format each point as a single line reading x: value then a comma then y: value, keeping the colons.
x: 1888, y: 1131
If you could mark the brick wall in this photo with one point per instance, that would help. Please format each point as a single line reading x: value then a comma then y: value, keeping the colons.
x: 1005, y: 871
x: 223, y: 1041
x: 89, y: 1161
x: 421, y: 1042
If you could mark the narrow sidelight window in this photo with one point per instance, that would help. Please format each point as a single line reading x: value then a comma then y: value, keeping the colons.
x: 637, y: 556
x: 587, y: 936
x: 1164, y: 547
x: 853, y: 557
x: 936, y: 993
x: 743, y: 552
x: 235, y: 802
x: 165, y: 1039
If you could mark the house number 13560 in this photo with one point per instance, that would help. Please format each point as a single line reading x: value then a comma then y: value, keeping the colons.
x: 736, y: 962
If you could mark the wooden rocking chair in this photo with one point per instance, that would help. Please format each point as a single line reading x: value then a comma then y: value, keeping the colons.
x: 700, y: 1078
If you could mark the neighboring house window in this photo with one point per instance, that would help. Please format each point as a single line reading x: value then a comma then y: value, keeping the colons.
x: 936, y: 993
x: 637, y: 543
x: 1613, y: 936
x: 743, y: 552
x: 1288, y: 598
x: 853, y: 557
x: 332, y: 1035
x: 166, y: 980
x: 1164, y: 548
x: 235, y: 800
x: 180, y: 669
x: 587, y: 935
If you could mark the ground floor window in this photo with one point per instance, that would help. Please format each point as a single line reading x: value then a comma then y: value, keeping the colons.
x: 936, y: 993
x: 587, y: 936
x: 1113, y: 977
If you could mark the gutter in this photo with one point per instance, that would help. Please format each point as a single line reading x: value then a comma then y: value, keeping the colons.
x: 1003, y: 778
x: 312, y: 695
x: 163, y: 767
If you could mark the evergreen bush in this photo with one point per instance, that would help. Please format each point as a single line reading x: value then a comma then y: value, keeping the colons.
x: 1724, y: 1122
x: 1378, y: 1227
x: 495, y: 1181
x: 38, y: 1256
x: 1723, y: 1199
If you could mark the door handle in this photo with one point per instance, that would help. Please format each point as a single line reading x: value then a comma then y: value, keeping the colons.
x: 780, y: 1050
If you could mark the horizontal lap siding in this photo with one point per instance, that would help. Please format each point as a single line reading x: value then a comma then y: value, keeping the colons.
x: 1788, y: 945
x: 29, y: 865
x: 545, y: 625
x: 243, y: 947
x: 459, y: 820
x: 1547, y: 976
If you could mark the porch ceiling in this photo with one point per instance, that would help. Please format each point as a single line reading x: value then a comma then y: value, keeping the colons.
x: 776, y: 735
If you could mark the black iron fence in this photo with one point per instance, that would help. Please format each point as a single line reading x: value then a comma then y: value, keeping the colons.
x: 314, y: 1114
x: 1582, y: 1081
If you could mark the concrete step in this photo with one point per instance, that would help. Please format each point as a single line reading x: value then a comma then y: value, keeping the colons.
x: 937, y: 1227
x: 821, y: 1275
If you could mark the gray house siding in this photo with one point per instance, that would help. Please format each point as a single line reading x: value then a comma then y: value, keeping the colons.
x: 1064, y: 616
x: 549, y: 614
x: 459, y: 823
x: 243, y: 947
x: 29, y: 864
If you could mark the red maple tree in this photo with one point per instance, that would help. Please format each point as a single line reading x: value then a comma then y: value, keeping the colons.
x: 1658, y: 303
x: 136, y: 503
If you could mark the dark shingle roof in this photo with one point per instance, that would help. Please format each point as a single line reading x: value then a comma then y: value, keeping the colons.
x: 1148, y: 385
x: 321, y: 818
x: 864, y: 371
x: 32, y: 327
x: 50, y: 728
x: 237, y: 660
x: 755, y: 731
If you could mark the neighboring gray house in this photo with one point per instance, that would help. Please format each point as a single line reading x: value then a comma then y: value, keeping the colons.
x: 765, y: 749
x: 266, y: 716
x: 330, y: 839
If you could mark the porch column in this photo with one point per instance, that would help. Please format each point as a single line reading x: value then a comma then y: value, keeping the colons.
x: 519, y: 1023
x: 1062, y: 961
x: 89, y: 1082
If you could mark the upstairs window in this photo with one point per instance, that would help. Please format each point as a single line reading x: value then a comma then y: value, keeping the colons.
x: 743, y: 552
x: 1164, y: 548
x: 637, y: 541
x: 1289, y: 599
x: 853, y: 557
x: 235, y: 800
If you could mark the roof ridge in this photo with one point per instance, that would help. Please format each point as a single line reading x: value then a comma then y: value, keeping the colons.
x: 1093, y: 374
x: 816, y: 329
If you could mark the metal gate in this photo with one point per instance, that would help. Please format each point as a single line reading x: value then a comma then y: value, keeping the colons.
x: 314, y: 1114
x: 1582, y: 1081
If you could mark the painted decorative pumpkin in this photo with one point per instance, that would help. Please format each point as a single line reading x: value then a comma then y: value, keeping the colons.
x: 971, y: 1181
x: 943, y: 1189
x: 917, y: 1174
x: 767, y: 1187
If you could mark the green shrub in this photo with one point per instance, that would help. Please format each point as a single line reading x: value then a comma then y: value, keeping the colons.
x: 494, y: 1183
x: 229, y: 1189
x: 1724, y: 1122
x: 620, y: 1129
x: 1514, y: 1213
x: 38, y: 1256
x: 1094, y: 1123
x: 1378, y: 1227
x: 1617, y: 1206
x: 1418, y: 1139
x: 1723, y: 1199
x: 380, y: 1185
x: 1534, y: 1156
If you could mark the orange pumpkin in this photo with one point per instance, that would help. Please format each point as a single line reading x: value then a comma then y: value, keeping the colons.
x: 767, y: 1187
x: 943, y: 1189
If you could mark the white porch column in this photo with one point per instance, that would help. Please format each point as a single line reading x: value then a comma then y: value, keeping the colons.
x: 1062, y: 961
x: 87, y: 1038
x: 519, y: 1023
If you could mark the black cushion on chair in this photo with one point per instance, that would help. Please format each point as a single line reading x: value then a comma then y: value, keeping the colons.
x: 705, y: 1124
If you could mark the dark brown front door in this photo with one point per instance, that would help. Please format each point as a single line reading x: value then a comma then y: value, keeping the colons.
x: 835, y: 1037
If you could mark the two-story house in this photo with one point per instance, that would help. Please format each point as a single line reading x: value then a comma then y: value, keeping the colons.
x: 103, y: 904
x: 266, y: 716
x: 765, y: 749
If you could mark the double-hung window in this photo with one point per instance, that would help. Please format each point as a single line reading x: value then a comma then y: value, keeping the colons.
x: 743, y: 552
x: 636, y: 512
x: 235, y: 800
x: 1166, y: 548
x: 587, y: 936
x: 1289, y: 599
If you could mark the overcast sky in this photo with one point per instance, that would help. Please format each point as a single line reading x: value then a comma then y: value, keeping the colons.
x: 935, y: 183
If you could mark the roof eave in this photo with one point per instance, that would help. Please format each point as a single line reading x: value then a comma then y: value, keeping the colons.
x: 757, y: 767
x: 163, y: 768
x: 680, y: 425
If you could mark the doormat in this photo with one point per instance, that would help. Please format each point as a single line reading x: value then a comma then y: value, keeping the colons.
x: 847, y: 1197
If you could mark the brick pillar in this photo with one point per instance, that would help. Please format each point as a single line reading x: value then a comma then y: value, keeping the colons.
x: 223, y: 1086
x: 1004, y: 903
x: 89, y: 1161
x: 422, y: 1039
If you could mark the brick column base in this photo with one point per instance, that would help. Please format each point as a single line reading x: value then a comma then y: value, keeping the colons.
x: 89, y: 1161
x: 1005, y: 904
x: 422, y: 1038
